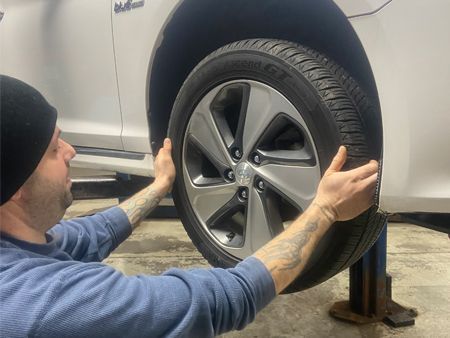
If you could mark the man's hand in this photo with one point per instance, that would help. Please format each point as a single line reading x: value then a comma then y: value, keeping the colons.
x: 164, y: 167
x: 347, y: 194
x: 141, y: 204
x: 341, y: 196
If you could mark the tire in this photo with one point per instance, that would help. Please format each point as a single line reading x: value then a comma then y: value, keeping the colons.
x: 290, y: 106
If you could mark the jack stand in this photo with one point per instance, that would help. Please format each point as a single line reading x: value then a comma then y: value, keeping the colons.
x: 371, y: 292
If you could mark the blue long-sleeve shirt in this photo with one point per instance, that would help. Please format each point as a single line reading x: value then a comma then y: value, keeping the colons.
x: 59, y: 289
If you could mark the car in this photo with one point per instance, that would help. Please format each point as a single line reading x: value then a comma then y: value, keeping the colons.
x: 256, y: 95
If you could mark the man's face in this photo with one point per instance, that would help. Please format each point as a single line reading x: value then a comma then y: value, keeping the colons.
x: 49, y: 186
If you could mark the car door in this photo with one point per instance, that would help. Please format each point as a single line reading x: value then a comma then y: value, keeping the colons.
x: 65, y: 49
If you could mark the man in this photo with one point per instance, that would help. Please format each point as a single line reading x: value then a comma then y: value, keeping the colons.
x: 51, y: 284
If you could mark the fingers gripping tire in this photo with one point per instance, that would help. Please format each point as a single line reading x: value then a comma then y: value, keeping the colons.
x: 254, y: 127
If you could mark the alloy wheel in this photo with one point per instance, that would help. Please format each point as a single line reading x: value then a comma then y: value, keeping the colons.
x: 249, y: 165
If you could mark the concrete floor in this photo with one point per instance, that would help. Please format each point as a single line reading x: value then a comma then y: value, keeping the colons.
x: 418, y: 260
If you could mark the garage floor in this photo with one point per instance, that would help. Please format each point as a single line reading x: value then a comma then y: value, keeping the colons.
x: 418, y: 260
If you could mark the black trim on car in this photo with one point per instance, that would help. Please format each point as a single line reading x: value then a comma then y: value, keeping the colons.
x: 109, y: 153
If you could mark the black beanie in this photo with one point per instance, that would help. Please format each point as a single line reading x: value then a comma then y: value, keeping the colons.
x: 27, y: 125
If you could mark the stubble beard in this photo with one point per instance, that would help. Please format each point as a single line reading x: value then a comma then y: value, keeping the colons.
x: 48, y: 203
x: 66, y: 200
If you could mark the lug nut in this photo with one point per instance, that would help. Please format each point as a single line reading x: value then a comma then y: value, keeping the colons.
x: 230, y: 175
x: 256, y: 159
x: 244, y: 194
x: 261, y: 185
x: 237, y: 154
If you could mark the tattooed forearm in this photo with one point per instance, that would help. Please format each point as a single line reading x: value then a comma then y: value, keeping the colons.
x: 141, y: 204
x: 286, y: 255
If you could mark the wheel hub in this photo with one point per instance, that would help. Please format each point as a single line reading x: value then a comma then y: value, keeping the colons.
x: 244, y: 173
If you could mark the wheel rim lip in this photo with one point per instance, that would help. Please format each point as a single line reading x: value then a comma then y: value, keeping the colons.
x: 187, y: 180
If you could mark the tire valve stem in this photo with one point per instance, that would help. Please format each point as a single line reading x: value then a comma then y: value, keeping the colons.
x: 230, y: 236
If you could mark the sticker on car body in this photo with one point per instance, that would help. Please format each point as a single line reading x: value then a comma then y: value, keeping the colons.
x: 129, y: 5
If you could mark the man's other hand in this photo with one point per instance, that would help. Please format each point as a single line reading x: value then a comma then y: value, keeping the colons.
x: 164, y: 167
x: 347, y: 194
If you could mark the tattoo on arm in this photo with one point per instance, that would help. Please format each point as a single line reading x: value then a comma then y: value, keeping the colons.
x: 288, y: 254
x: 140, y: 205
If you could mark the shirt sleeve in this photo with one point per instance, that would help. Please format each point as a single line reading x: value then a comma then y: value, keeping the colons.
x: 94, y: 300
x: 92, y: 238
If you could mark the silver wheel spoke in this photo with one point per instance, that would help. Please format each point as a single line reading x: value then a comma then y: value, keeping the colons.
x: 259, y: 228
x: 299, y: 184
x: 206, y: 200
x: 263, y: 106
x: 203, y: 129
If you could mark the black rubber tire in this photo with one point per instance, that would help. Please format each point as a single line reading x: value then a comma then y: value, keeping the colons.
x: 331, y: 109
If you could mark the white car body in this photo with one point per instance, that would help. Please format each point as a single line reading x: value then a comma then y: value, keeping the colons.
x: 95, y: 65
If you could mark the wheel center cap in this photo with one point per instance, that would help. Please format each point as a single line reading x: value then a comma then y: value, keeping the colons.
x: 244, y: 173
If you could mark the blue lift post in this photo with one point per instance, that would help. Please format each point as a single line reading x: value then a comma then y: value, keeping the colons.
x: 371, y: 292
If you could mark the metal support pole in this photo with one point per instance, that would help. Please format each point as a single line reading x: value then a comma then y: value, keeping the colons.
x: 370, y: 298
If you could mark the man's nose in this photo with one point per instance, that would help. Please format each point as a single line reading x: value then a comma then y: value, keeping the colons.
x: 73, y: 152
x: 70, y: 151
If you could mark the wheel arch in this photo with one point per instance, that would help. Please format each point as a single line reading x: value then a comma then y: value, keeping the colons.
x: 198, y: 27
